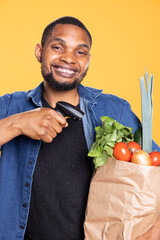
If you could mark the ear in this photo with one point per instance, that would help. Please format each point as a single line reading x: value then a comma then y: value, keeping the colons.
x: 38, y: 52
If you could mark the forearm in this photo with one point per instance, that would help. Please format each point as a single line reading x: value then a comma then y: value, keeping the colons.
x: 8, y: 129
x: 39, y: 124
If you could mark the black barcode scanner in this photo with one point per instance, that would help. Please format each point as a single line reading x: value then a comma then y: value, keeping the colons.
x: 68, y: 110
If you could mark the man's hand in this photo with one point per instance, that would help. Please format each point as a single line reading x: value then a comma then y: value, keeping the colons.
x: 153, y: 233
x: 40, y: 124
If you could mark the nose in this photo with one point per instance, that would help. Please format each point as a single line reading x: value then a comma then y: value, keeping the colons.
x: 68, y: 57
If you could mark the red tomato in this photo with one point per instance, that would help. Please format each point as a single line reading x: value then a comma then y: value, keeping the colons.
x: 133, y: 146
x: 155, y: 158
x: 141, y: 157
x: 121, y: 152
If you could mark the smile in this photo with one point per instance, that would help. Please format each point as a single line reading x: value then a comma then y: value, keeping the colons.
x: 65, y: 70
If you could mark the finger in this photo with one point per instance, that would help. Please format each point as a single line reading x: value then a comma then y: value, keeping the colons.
x: 48, y: 136
x: 66, y: 125
x: 51, y: 131
x: 56, y: 125
x: 46, y: 133
x: 60, y: 119
x: 47, y: 139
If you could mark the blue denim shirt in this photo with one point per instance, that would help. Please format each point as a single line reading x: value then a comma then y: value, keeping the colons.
x: 18, y: 157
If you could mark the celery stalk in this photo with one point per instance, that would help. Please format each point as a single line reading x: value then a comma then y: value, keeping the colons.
x: 147, y: 112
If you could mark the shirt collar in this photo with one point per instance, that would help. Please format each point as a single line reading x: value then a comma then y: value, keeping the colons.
x: 84, y: 92
x: 35, y: 95
x: 89, y: 93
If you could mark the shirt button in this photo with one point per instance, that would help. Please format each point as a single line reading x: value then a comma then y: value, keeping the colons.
x: 30, y: 162
x: 24, y: 205
x: 22, y: 226
x: 27, y: 184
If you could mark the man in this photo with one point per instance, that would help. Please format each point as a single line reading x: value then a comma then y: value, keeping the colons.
x: 44, y: 168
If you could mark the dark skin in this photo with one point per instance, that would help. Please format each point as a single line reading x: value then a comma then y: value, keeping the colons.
x: 66, y: 54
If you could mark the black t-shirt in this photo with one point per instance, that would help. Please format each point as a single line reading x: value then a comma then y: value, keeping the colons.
x: 60, y: 187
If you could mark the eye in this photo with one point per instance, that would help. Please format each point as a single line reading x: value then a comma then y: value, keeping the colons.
x: 80, y: 52
x: 57, y: 48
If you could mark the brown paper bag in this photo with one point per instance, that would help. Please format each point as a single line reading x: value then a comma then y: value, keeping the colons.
x: 123, y: 202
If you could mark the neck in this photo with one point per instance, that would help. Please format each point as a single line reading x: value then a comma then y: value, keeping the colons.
x: 52, y: 96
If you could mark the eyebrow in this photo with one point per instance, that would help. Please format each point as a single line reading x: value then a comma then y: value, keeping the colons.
x: 63, y: 41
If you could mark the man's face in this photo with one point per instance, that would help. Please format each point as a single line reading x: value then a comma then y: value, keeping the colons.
x: 65, y: 57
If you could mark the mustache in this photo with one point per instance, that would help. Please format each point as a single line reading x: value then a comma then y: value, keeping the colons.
x: 60, y: 86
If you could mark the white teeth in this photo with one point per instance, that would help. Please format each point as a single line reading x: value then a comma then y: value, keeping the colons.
x: 65, y: 70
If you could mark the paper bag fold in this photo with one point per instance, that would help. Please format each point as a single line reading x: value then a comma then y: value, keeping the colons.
x: 123, y: 201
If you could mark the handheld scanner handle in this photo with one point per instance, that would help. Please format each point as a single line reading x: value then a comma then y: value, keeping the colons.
x: 68, y: 110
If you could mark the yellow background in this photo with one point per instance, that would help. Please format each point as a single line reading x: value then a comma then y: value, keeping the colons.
x: 126, y: 39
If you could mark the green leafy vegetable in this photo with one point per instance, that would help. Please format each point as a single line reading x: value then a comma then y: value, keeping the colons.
x: 107, y: 136
x: 138, y: 136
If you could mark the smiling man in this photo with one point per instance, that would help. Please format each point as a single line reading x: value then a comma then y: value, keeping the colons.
x: 44, y: 169
x: 64, y: 57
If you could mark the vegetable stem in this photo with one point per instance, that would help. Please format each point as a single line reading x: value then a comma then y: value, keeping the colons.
x: 147, y: 111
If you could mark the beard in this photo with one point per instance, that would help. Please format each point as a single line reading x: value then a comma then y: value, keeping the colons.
x: 60, y: 86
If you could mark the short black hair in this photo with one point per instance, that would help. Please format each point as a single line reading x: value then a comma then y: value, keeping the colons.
x: 63, y: 20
